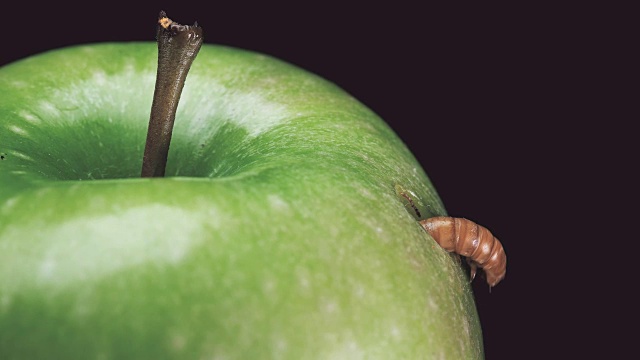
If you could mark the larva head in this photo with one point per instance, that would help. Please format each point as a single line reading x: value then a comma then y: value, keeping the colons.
x: 496, y: 267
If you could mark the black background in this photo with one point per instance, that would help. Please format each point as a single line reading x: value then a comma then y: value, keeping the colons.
x: 495, y: 103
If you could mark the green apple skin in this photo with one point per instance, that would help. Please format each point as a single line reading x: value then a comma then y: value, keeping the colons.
x: 279, y: 231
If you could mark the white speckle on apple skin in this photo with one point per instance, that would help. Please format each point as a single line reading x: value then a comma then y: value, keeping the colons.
x: 366, y: 193
x: 49, y: 109
x: 47, y: 268
x: 432, y: 305
x: 9, y: 204
x: 349, y: 350
x: 304, y: 279
x: 360, y: 291
x: 19, y: 84
x: 270, y: 288
x: 395, y: 332
x: 18, y: 130
x: 280, y: 347
x: 29, y: 117
x: 21, y: 155
x: 330, y: 307
x: 99, y: 77
x: 277, y: 203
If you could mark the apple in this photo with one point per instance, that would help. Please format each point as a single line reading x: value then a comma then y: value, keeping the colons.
x: 281, y: 229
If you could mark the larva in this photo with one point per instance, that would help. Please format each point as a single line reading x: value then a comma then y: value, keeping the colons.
x: 475, y: 242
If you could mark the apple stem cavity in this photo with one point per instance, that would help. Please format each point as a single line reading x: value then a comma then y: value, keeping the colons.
x: 178, y: 46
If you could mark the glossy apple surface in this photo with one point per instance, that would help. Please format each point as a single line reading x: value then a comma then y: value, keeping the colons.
x: 280, y: 231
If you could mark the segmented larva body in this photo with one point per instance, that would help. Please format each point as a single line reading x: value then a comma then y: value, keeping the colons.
x: 471, y: 240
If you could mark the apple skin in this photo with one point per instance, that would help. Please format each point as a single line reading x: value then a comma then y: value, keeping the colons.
x: 277, y: 233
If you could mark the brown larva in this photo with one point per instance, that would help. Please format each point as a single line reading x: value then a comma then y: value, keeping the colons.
x: 471, y: 240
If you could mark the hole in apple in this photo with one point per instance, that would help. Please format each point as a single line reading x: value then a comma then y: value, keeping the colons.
x: 411, y: 201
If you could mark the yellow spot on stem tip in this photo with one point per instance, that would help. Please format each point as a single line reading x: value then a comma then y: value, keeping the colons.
x: 165, y: 22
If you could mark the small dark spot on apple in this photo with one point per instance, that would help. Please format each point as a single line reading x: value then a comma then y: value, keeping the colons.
x: 202, y: 146
x: 2, y: 157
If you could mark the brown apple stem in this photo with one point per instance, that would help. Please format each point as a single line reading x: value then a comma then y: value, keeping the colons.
x: 178, y: 46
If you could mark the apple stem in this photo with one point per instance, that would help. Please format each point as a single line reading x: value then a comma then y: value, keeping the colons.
x: 178, y: 46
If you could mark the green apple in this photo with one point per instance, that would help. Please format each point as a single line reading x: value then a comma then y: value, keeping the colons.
x: 282, y: 229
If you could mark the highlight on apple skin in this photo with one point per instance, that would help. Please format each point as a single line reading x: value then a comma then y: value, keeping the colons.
x: 276, y: 233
